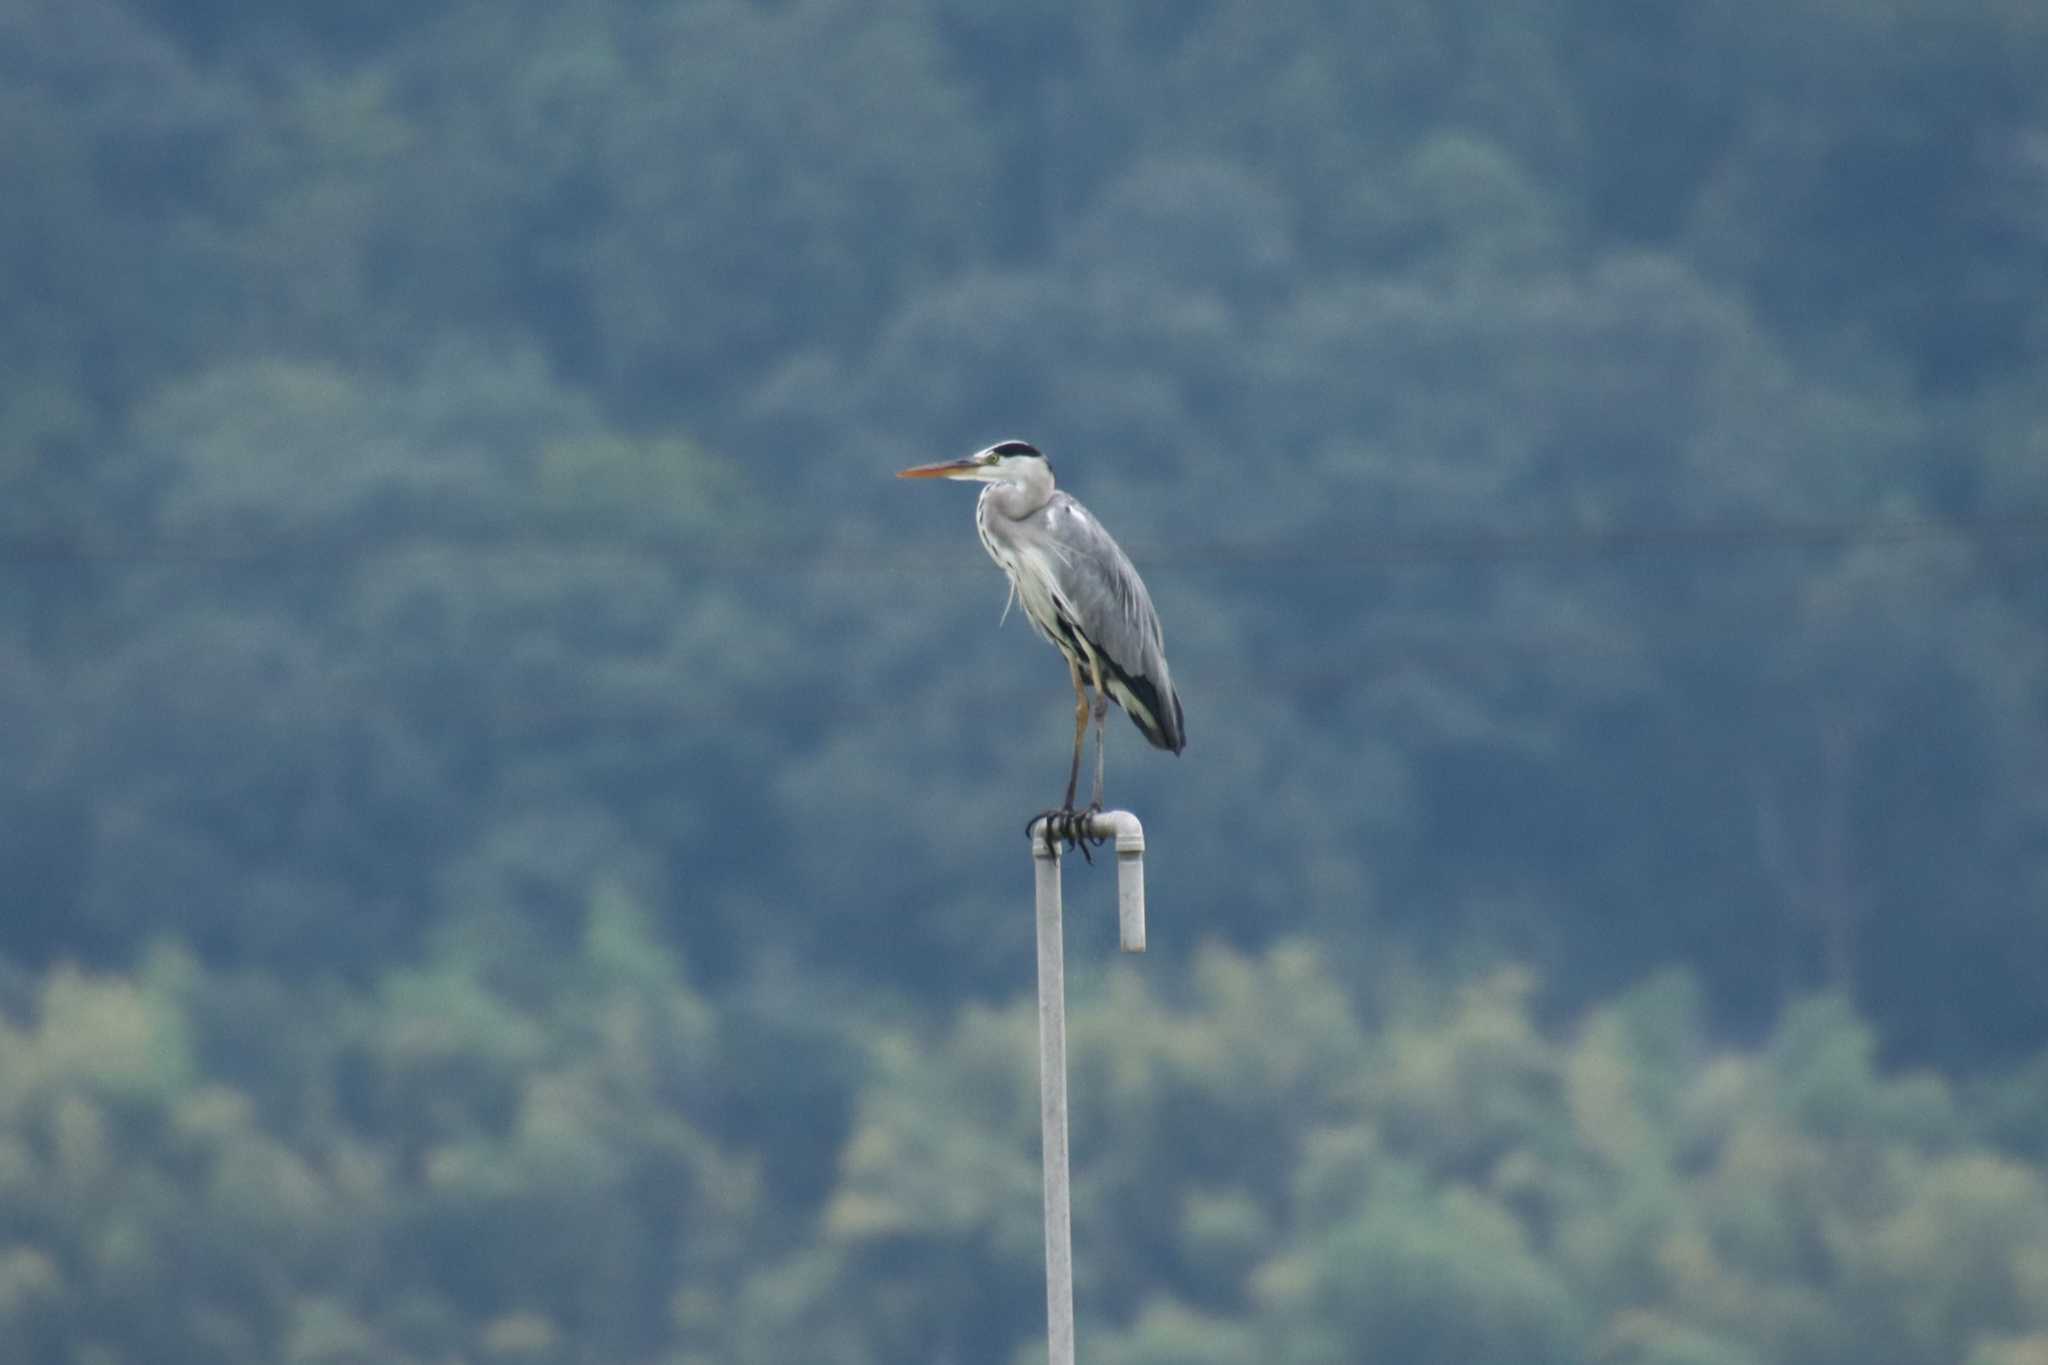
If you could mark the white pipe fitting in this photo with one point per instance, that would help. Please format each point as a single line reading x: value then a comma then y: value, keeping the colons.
x: 1129, y: 834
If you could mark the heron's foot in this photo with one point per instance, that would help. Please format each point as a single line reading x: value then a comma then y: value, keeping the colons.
x: 1068, y: 826
x: 1085, y: 822
x: 1049, y: 823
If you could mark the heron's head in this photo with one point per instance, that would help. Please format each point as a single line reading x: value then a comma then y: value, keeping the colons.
x: 1003, y: 462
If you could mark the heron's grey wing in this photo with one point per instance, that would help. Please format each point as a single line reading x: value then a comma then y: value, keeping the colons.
x: 1101, y: 591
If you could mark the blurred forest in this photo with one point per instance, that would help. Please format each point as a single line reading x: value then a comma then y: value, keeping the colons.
x: 513, y: 819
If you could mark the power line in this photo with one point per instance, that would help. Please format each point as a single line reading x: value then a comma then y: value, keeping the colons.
x: 1359, y: 547
x: 1481, y: 545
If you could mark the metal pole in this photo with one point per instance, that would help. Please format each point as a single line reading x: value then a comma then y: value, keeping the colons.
x: 1052, y: 1108
x: 1052, y: 1050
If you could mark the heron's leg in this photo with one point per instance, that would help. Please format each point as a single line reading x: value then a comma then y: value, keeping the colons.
x: 1059, y: 824
x: 1101, y: 710
x: 1080, y: 731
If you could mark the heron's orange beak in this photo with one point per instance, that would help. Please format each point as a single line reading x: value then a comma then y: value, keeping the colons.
x: 944, y: 469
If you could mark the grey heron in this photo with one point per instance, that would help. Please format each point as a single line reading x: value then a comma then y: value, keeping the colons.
x: 1080, y: 592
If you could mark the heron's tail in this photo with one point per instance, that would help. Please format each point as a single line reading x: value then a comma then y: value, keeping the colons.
x: 1157, y: 717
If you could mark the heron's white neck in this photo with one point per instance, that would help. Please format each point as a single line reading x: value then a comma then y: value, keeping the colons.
x: 1025, y: 487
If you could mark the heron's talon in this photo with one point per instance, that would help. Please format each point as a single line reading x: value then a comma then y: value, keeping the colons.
x: 1074, y: 828
x: 1054, y: 830
x: 1071, y: 827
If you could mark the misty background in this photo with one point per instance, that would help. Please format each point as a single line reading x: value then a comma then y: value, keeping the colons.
x: 512, y: 818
